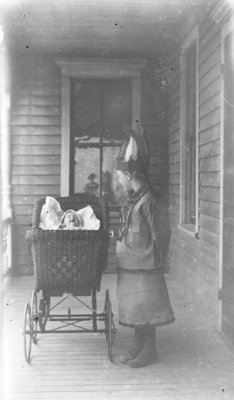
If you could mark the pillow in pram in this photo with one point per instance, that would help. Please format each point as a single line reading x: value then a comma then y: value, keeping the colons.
x: 89, y: 221
x: 51, y: 214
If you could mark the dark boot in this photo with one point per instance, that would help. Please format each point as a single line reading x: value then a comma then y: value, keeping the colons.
x: 148, y: 354
x: 136, y: 348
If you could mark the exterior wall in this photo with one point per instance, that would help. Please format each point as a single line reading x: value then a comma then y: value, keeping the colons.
x: 155, y: 125
x: 36, y: 144
x: 36, y: 149
x: 196, y: 260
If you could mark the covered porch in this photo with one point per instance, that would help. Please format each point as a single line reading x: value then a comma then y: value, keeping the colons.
x: 194, y: 361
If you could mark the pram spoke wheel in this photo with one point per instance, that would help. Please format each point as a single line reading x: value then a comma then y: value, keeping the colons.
x: 34, y: 311
x: 27, y: 332
x: 44, y: 307
x: 109, y: 324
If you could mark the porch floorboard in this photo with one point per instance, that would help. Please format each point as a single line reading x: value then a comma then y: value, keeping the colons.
x: 194, y: 362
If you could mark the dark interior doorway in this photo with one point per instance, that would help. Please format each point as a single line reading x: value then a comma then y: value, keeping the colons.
x: 99, y: 109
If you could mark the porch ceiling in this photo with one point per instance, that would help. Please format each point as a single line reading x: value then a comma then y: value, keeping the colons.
x: 109, y: 28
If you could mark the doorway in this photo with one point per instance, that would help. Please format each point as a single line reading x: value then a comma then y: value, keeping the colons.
x: 99, y: 110
x: 89, y: 69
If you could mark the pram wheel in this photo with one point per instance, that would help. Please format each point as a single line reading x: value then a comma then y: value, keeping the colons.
x: 109, y: 324
x: 34, y: 314
x: 44, y: 307
x: 27, y: 332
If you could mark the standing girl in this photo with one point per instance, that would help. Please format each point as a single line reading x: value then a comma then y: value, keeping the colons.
x: 142, y: 292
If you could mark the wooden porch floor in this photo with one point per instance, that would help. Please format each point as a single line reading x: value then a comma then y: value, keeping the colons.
x: 193, y: 360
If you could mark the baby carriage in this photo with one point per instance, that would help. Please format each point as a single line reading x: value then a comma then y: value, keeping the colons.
x: 68, y: 263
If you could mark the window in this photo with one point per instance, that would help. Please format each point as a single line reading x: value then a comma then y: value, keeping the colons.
x: 99, y: 109
x: 189, y: 134
x: 104, y: 70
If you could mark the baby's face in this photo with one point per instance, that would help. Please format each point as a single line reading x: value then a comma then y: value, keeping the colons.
x: 71, y: 219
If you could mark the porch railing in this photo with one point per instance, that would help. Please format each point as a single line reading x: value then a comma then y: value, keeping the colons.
x: 6, y: 251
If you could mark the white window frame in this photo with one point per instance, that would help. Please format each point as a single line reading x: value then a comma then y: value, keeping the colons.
x: 188, y: 227
x: 84, y: 69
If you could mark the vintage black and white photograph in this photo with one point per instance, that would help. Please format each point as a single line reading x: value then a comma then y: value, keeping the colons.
x: 117, y: 199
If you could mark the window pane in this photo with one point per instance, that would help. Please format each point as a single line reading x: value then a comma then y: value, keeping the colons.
x: 111, y: 188
x: 116, y: 108
x: 86, y: 118
x: 87, y: 170
x: 100, y: 108
x: 87, y: 173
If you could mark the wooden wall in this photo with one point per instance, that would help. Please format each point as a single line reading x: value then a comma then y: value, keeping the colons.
x: 155, y: 125
x: 196, y: 261
x: 36, y: 143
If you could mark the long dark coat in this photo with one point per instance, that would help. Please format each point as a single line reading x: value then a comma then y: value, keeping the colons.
x: 142, y: 291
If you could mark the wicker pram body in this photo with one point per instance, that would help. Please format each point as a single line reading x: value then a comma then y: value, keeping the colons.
x: 69, y: 261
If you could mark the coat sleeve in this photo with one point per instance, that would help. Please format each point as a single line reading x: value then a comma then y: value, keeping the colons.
x: 150, y: 212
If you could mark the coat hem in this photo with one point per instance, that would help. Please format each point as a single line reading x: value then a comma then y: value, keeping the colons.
x: 155, y: 324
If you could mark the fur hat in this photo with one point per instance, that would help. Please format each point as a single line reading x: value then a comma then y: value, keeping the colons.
x: 134, y: 152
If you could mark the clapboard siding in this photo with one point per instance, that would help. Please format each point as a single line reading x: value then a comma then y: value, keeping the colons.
x: 211, y: 59
x: 22, y: 199
x: 210, y: 164
x: 209, y: 89
x: 209, y: 237
x: 208, y: 106
x: 36, y: 130
x: 27, y: 159
x: 37, y: 110
x: 210, y: 43
x: 44, y: 89
x: 41, y: 179
x: 211, y: 73
x: 45, y: 169
x: 174, y: 168
x: 210, y: 208
x: 210, y: 134
x: 210, y: 149
x: 190, y: 256
x: 36, y: 150
x: 174, y: 136
x: 209, y: 193
x: 36, y: 140
x: 36, y: 145
x: 35, y: 120
x: 39, y: 100
x: 35, y: 190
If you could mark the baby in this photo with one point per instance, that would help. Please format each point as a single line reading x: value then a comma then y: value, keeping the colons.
x: 70, y: 220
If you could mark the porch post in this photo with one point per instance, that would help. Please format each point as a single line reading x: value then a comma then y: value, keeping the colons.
x: 6, y: 209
